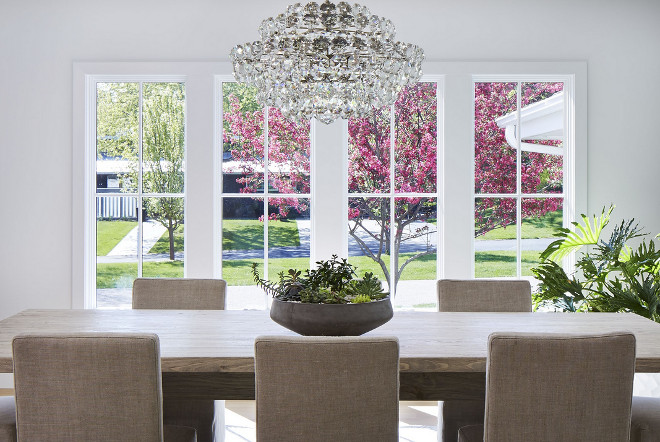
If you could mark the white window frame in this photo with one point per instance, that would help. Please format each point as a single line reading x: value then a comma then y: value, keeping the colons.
x: 265, y: 194
x: 392, y: 194
x: 457, y: 236
x: 568, y: 155
x: 200, y: 159
x: 203, y: 247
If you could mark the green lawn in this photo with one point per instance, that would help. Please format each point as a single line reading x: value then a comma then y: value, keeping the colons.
x: 109, y: 233
x: 244, y: 234
x: 487, y: 265
x: 238, y: 271
x: 163, y: 243
x: 494, y: 264
x: 543, y: 227
x: 121, y: 275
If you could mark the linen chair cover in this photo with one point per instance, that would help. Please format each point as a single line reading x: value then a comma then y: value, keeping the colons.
x: 89, y: 387
x: 470, y: 295
x: 7, y: 419
x: 327, y: 388
x: 205, y: 415
x: 553, y: 387
x: 484, y: 295
x: 179, y: 294
x: 645, y: 419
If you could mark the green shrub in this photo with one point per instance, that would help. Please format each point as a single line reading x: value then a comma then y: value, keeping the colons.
x: 611, y: 277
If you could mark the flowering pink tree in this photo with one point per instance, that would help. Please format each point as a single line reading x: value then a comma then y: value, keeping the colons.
x: 415, y: 166
x: 288, y: 154
x: 415, y: 171
x: 495, y: 160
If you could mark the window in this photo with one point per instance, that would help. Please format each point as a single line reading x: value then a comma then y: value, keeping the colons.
x: 252, y: 187
x: 267, y: 216
x: 265, y: 193
x: 393, y: 195
x: 519, y: 151
x: 140, y: 163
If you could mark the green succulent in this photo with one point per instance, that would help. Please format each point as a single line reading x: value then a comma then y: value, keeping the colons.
x: 333, y: 281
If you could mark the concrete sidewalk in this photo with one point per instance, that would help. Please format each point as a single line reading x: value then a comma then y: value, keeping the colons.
x: 151, y: 233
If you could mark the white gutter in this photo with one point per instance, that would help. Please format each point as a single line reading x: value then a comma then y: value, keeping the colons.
x: 539, y: 121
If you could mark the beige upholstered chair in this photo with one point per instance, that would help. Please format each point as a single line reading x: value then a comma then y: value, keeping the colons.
x: 179, y: 294
x: 7, y: 419
x: 476, y: 295
x: 484, y: 295
x: 90, y: 387
x: 548, y: 388
x: 205, y: 415
x: 645, y: 421
x: 327, y: 389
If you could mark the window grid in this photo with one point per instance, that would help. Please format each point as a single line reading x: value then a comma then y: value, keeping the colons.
x: 518, y: 194
x: 392, y: 194
x: 139, y: 195
x: 266, y: 194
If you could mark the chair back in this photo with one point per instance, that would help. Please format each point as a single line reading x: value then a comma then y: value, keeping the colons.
x: 179, y: 294
x: 548, y: 388
x: 484, y: 295
x: 327, y: 388
x: 88, y: 387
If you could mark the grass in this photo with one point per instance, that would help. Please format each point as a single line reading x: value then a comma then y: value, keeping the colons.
x: 248, y: 234
x: 239, y: 271
x: 163, y: 243
x: 487, y: 265
x: 109, y: 233
x: 237, y: 235
x: 543, y: 227
x: 243, y: 234
x: 121, y: 275
x: 494, y: 264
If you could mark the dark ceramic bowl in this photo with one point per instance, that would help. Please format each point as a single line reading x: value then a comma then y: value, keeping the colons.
x: 331, y: 319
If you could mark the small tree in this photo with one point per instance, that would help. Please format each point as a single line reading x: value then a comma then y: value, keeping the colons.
x: 415, y: 119
x: 162, y: 144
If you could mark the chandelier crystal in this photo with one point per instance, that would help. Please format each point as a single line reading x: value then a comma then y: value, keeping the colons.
x: 327, y: 61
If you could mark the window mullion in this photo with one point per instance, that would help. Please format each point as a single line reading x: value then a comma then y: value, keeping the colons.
x: 140, y: 190
x: 518, y: 183
x: 393, y: 227
x: 266, y: 194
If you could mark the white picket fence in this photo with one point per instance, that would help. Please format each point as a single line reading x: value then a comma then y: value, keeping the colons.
x: 116, y: 207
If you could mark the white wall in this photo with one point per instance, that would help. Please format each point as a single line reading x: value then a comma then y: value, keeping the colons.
x: 39, y: 40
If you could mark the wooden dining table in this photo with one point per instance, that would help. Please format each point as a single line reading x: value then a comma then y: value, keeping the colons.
x: 210, y: 353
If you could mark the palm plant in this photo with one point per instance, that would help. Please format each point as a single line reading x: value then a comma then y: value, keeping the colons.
x: 611, y: 276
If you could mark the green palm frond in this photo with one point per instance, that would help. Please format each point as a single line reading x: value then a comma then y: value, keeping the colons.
x: 624, y: 255
x: 584, y: 234
x: 557, y: 288
x: 615, y: 276
x: 641, y: 296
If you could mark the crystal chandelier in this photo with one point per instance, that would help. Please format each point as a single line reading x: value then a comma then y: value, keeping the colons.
x: 327, y: 61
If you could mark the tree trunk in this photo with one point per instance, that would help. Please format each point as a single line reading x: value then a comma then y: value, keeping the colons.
x: 170, y: 232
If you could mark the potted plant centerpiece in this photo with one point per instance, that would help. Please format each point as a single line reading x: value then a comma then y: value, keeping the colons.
x: 330, y: 300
